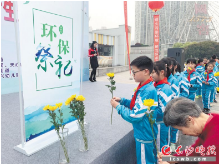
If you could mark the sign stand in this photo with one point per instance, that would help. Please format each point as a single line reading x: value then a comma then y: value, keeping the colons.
x: 43, y: 141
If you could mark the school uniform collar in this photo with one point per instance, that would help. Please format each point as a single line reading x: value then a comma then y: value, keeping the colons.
x: 145, y: 86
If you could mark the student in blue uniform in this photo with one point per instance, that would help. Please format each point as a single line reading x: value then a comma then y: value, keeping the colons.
x: 183, y: 82
x: 208, y: 81
x: 213, y: 91
x: 174, y: 84
x: 200, y: 69
x: 193, y: 78
x: 133, y: 111
x: 164, y: 94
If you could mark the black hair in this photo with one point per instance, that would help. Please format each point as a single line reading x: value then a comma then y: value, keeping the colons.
x: 210, y: 63
x: 200, y: 60
x: 213, y: 56
x: 191, y: 60
x: 206, y: 66
x: 174, y: 63
x: 143, y: 62
x: 212, y: 60
x: 92, y: 45
x: 160, y: 65
x: 168, y: 63
x: 178, y: 69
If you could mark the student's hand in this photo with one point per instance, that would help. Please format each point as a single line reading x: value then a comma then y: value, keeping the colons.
x: 117, y: 99
x: 207, y: 83
x: 95, y: 54
x: 203, y: 82
x: 114, y: 103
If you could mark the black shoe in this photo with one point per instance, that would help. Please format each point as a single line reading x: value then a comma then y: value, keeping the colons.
x: 215, y: 101
x: 91, y: 80
x: 208, y: 111
x: 94, y: 79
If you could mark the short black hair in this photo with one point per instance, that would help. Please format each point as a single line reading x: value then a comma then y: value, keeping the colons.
x: 213, y: 56
x: 212, y: 60
x: 143, y: 62
x: 160, y: 65
x: 200, y: 60
x: 191, y: 60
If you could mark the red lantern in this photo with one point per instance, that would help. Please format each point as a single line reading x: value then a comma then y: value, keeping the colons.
x: 155, y: 5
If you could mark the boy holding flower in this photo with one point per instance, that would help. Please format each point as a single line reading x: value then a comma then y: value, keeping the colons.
x: 133, y: 111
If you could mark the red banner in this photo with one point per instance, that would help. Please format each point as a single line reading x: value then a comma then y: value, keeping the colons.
x: 156, y: 37
x: 126, y: 30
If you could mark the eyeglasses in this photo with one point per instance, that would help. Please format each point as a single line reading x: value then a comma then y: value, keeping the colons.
x: 137, y: 71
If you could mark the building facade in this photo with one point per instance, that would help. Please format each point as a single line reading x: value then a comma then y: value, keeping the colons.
x: 112, y: 45
x: 180, y: 21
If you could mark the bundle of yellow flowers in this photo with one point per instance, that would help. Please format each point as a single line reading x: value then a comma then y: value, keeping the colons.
x: 58, y: 124
x: 217, y: 88
x: 77, y: 110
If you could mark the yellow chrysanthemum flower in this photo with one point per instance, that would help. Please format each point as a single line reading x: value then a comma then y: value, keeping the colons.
x: 205, y: 72
x: 72, y: 97
x: 68, y: 101
x: 216, y: 74
x: 217, y: 89
x: 80, y: 98
x: 46, y: 107
x: 110, y: 74
x: 54, y: 108
x: 148, y: 102
x: 59, y: 105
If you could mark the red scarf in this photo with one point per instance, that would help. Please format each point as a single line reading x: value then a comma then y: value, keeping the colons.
x: 189, y: 73
x: 164, y: 81
x: 135, y: 94
x: 208, y: 75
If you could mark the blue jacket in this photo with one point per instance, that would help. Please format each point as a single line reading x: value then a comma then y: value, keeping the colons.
x: 212, y: 80
x: 216, y: 68
x: 164, y: 94
x: 200, y: 69
x: 137, y: 116
x: 183, y: 85
x: 174, y: 84
x: 195, y: 81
